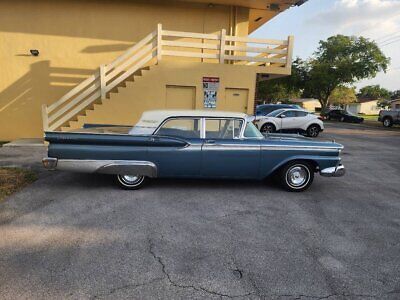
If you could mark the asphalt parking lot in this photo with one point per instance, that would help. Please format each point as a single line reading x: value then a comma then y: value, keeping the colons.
x: 79, y: 236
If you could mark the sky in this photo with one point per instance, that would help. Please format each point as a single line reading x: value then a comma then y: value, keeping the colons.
x: 317, y: 20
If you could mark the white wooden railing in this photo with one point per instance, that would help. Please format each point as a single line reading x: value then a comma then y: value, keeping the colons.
x: 208, y: 48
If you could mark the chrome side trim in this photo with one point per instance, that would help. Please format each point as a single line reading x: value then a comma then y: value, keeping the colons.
x: 125, y: 167
x: 227, y: 147
x: 144, y: 168
x: 294, y: 147
x: 337, y: 171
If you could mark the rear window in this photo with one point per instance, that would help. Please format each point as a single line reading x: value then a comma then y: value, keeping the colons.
x: 275, y: 113
x: 182, y: 127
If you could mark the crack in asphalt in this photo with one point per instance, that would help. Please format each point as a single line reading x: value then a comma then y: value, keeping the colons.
x: 126, y: 286
x: 257, y: 294
x: 178, y: 285
x: 248, y: 276
x: 301, y: 296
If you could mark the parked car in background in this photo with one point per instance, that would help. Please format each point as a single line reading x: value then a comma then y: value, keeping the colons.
x: 193, y: 144
x: 290, y: 120
x: 265, y: 109
x: 342, y: 116
x: 389, y: 117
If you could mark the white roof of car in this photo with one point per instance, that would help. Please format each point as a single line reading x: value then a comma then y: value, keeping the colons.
x: 153, y: 118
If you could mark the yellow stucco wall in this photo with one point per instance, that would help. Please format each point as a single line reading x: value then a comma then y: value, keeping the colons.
x: 126, y: 106
x: 74, y: 37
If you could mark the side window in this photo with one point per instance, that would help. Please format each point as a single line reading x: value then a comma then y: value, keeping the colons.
x: 223, y: 128
x: 301, y: 113
x: 289, y: 114
x: 184, y: 128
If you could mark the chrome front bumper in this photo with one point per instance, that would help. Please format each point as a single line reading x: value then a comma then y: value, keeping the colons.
x: 337, y: 171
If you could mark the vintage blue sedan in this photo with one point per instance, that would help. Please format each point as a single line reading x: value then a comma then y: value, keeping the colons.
x: 192, y: 144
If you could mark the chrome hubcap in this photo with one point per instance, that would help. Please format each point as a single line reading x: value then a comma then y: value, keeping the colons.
x: 386, y: 122
x: 131, y: 179
x: 297, y: 176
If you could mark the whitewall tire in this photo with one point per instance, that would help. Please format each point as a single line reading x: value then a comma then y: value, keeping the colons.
x: 296, y: 176
x: 131, y: 182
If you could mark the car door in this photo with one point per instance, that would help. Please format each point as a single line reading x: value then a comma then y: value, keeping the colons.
x: 175, y: 148
x: 336, y: 115
x: 225, y: 154
x: 289, y: 121
x: 302, y: 118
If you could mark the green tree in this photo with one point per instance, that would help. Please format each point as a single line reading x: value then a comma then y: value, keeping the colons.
x: 341, y: 60
x: 286, y: 87
x: 343, y: 95
x: 395, y: 95
x: 374, y: 92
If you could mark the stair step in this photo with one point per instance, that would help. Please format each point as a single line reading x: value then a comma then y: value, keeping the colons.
x: 96, y: 106
x: 80, y: 117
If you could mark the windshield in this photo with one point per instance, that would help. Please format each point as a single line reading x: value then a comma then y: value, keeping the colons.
x: 275, y: 113
x: 251, y: 131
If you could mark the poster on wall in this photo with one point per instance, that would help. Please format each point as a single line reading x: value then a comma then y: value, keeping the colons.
x: 210, y: 87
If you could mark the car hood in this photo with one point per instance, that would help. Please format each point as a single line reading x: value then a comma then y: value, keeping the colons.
x: 299, y: 140
x: 259, y: 118
x: 285, y: 136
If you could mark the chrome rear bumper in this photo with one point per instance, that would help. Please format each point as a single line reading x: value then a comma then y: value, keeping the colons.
x: 50, y: 163
x: 337, y: 171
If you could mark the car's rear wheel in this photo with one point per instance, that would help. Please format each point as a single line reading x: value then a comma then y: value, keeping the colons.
x: 313, y: 130
x: 131, y: 182
x: 342, y: 119
x: 387, y: 122
x: 296, y: 176
x: 268, y: 128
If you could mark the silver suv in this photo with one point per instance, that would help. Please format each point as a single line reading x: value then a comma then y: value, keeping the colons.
x: 389, y: 117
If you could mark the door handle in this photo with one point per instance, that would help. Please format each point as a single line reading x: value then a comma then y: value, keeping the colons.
x: 210, y: 141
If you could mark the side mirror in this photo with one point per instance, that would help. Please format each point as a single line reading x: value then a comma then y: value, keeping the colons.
x: 282, y: 116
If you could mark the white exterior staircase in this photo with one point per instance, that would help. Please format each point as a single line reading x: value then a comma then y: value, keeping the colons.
x: 131, y: 65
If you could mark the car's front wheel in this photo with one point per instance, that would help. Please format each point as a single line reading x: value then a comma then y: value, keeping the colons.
x: 131, y: 182
x: 268, y: 128
x: 296, y: 176
x: 387, y: 122
x: 313, y: 130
